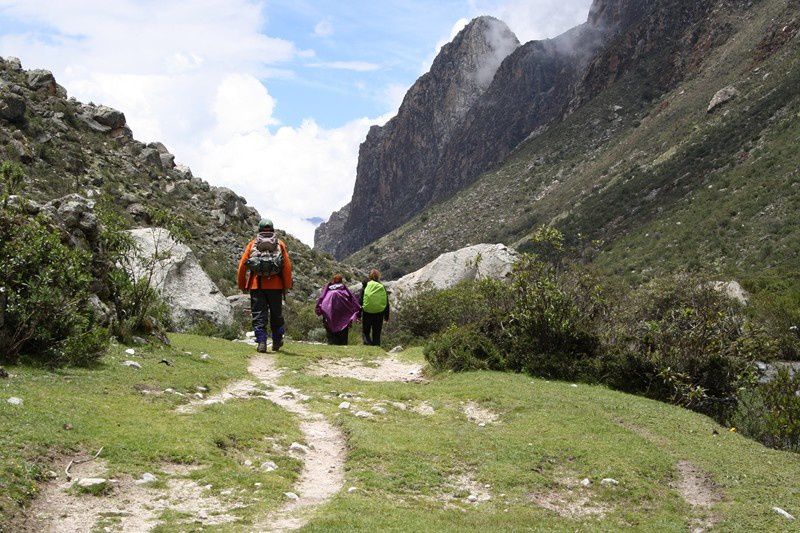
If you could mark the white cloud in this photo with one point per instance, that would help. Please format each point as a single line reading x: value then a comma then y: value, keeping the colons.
x: 188, y: 74
x: 324, y: 28
x: 393, y: 95
x: 356, y: 66
x: 535, y: 19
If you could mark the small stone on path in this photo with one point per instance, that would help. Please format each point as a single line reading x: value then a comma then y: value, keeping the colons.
x: 291, y: 495
x: 396, y: 349
x: 92, y: 483
x: 147, y: 477
x: 297, y: 447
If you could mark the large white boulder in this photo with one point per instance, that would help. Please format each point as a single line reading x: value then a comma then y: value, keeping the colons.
x: 482, y: 261
x: 180, y: 279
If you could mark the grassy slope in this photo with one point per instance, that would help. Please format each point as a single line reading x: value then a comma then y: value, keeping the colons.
x: 628, y: 178
x: 401, y: 462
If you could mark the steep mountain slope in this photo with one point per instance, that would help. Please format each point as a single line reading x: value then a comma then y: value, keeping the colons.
x: 643, y: 171
x: 397, y: 161
x: 66, y: 147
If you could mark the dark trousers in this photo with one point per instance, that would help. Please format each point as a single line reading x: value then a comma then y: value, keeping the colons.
x: 373, y: 324
x: 339, y: 338
x: 266, y: 306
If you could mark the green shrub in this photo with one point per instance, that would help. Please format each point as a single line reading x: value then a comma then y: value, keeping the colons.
x: 770, y: 412
x: 462, y: 349
x: 678, y: 340
x: 301, y: 320
x: 44, y: 291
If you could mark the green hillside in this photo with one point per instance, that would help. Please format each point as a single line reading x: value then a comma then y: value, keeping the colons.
x: 644, y: 183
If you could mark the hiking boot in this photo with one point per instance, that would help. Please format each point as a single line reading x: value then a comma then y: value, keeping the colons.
x: 262, y: 347
x: 276, y: 344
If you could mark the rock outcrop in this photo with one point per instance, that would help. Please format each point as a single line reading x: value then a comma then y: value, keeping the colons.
x: 328, y: 235
x: 173, y: 270
x: 482, y: 261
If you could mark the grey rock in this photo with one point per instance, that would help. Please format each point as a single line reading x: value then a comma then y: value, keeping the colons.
x: 14, y: 63
x: 783, y: 513
x: 167, y: 160
x: 363, y: 414
x: 722, y: 97
x: 15, y: 401
x: 344, y: 405
x: 12, y: 106
x: 396, y: 349
x: 179, y: 278
x: 240, y: 303
x: 609, y: 481
x: 92, y: 483
x: 298, y: 448
x: 42, y: 80
x: 482, y: 261
x: 291, y: 496
x: 132, y: 364
x: 732, y: 290
x: 147, y: 477
x: 268, y: 466
x: 105, y: 116
x: 150, y: 156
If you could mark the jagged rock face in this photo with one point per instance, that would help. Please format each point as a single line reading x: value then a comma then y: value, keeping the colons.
x: 397, y: 161
x: 420, y: 158
x: 328, y: 235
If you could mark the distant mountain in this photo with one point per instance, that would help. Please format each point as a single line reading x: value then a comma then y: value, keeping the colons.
x: 674, y: 145
x: 66, y: 147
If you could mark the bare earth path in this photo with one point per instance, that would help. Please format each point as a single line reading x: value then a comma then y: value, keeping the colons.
x: 323, y: 466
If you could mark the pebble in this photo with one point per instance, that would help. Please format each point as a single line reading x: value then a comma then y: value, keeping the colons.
x: 14, y: 400
x: 205, y: 357
x: 352, y: 490
x: 198, y: 395
x: 202, y: 515
x: 268, y: 466
x: 169, y: 391
x: 130, y: 351
x: 248, y: 463
x: 783, y: 513
x: 379, y: 409
x: 472, y: 497
x: 297, y: 447
x: 291, y: 495
x: 132, y: 364
x: 399, y: 405
x: 91, y: 482
x: 586, y: 482
x: 363, y: 414
x: 139, y: 340
x: 609, y: 481
x: 201, y: 389
x: 147, y: 477
x: 396, y: 349
x: 574, y: 385
x: 344, y: 405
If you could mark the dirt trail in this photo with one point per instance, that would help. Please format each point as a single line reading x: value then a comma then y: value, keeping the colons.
x: 699, y: 491
x: 323, y: 462
x: 383, y: 369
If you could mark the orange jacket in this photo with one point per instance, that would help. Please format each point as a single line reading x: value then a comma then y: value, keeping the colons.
x: 248, y: 281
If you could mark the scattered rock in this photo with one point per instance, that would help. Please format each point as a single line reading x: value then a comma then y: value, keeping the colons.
x: 298, y: 448
x: 379, y: 409
x: 344, y: 405
x: 291, y: 495
x: 363, y: 414
x: 609, y: 481
x: 130, y: 351
x: 147, y: 477
x: 15, y: 401
x: 132, y: 364
x: 586, y: 482
x: 783, y: 513
x: 351, y: 490
x: 248, y: 463
x: 722, y: 97
x: 40, y: 79
x: 399, y: 405
x: 12, y: 107
x: 138, y: 340
x: 396, y: 349
x: 732, y: 290
x: 205, y: 357
x: 269, y: 466
x: 93, y: 485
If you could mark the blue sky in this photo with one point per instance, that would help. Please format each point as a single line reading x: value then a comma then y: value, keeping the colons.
x: 268, y: 97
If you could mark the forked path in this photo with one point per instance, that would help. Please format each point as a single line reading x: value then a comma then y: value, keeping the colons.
x: 323, y: 465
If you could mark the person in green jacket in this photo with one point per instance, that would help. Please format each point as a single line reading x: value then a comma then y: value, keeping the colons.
x: 374, y: 308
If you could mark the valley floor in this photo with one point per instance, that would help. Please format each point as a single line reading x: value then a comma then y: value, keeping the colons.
x: 347, y: 438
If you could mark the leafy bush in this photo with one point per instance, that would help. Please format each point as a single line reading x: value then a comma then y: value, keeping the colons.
x: 301, y: 320
x: 462, y: 349
x: 770, y: 412
x: 44, y: 291
x: 678, y: 340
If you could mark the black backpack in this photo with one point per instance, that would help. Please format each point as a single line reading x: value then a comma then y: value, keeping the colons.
x: 266, y: 256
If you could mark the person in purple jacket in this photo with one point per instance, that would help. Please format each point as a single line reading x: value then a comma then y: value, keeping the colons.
x: 339, y: 308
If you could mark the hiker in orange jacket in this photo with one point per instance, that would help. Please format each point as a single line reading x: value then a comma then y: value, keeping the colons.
x: 265, y: 271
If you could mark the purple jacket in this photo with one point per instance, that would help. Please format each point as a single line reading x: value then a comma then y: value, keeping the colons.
x: 338, y: 306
